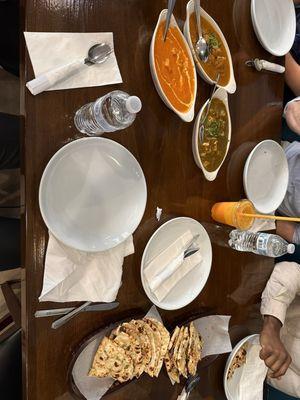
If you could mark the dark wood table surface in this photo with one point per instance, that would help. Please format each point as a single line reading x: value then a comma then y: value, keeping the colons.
x: 162, y: 144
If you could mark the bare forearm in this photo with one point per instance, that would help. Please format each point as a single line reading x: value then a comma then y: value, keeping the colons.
x: 292, y: 74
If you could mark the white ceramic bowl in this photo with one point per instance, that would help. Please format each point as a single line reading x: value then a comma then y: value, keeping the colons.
x: 92, y: 194
x: 231, y: 85
x: 274, y: 23
x: 189, y: 115
x: 231, y: 386
x: 266, y: 176
x: 210, y: 176
x: 190, y: 286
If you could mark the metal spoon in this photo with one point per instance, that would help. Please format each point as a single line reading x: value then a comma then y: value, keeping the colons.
x: 201, y: 45
x: 97, y: 54
x: 191, y: 383
x: 203, y: 119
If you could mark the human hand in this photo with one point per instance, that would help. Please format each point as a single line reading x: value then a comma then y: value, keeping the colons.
x: 292, y: 116
x: 273, y: 352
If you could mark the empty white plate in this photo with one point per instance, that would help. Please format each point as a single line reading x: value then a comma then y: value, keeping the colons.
x: 189, y: 287
x: 266, y: 176
x: 92, y: 194
x: 274, y: 22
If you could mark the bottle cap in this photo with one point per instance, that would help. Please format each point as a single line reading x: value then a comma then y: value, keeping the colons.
x: 291, y: 248
x: 133, y: 104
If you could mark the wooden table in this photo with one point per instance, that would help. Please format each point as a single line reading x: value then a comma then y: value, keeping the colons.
x: 162, y: 144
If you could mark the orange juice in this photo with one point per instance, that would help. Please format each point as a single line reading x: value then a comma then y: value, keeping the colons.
x: 231, y: 213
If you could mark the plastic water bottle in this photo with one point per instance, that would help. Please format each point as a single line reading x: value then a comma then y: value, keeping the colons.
x: 264, y: 244
x: 112, y: 112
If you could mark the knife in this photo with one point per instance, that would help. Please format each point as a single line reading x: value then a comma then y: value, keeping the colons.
x: 63, y: 311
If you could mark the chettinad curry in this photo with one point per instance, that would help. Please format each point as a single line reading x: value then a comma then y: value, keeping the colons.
x: 218, y: 62
x: 174, y: 68
x: 216, y: 128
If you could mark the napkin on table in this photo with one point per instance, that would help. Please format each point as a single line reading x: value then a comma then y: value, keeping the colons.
x: 48, y: 50
x: 73, y: 275
x: 165, y: 270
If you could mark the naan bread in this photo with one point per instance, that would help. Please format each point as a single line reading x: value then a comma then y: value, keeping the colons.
x: 132, y: 346
x: 145, y: 329
x: 164, y: 341
x: 181, y: 359
x: 194, y: 349
x: 169, y: 358
x: 112, y: 360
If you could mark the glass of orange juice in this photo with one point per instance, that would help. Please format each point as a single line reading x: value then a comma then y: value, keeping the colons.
x: 231, y: 213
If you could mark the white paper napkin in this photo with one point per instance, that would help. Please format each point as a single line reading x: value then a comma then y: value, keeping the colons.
x: 72, y: 275
x: 48, y: 50
x: 263, y: 225
x: 214, y: 331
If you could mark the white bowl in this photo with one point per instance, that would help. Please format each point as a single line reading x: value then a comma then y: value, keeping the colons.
x: 266, y: 176
x: 232, y: 385
x: 189, y: 115
x: 210, y: 176
x: 92, y: 194
x: 231, y: 85
x: 190, y: 286
x: 274, y: 23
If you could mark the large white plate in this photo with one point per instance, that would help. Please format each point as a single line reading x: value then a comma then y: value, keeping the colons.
x: 274, y: 23
x: 92, y: 194
x: 231, y: 385
x: 266, y: 176
x: 191, y: 285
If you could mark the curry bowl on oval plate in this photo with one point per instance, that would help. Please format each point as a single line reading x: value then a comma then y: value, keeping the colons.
x: 219, y: 60
x: 211, y: 153
x: 173, y: 70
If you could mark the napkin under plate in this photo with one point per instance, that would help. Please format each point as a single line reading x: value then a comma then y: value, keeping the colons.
x: 73, y: 275
x: 48, y: 50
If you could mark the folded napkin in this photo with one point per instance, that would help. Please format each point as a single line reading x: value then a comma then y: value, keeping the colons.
x: 165, y: 270
x: 253, y: 375
x: 73, y: 275
x: 48, y: 50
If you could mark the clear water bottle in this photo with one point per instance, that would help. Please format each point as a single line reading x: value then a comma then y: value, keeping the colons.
x: 264, y: 244
x: 112, y: 112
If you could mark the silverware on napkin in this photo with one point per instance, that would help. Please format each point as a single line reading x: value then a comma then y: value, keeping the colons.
x: 260, y: 65
x: 84, y: 307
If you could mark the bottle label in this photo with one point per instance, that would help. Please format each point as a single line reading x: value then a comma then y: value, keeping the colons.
x: 262, y: 243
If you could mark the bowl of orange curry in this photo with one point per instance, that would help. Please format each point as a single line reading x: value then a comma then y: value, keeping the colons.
x: 210, y: 151
x: 172, y: 68
x: 219, y: 61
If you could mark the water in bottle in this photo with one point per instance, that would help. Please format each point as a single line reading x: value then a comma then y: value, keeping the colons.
x: 264, y: 244
x: 114, y: 111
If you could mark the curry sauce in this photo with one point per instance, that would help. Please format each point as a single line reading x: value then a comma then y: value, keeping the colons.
x: 174, y: 68
x: 218, y: 62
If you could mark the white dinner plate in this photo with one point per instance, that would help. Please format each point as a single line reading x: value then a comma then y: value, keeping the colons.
x: 92, y: 194
x: 274, y: 23
x: 189, y: 287
x: 231, y: 386
x: 266, y: 176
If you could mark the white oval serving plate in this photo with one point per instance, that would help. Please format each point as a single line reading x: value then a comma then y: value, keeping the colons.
x: 190, y: 286
x: 210, y: 176
x: 92, y: 194
x: 274, y: 23
x: 189, y: 115
x: 231, y: 85
x: 266, y: 176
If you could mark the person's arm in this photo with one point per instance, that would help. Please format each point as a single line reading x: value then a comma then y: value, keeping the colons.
x: 292, y: 74
x: 281, y: 289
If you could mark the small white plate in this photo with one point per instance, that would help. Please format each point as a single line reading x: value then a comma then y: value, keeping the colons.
x: 191, y: 285
x: 274, y: 23
x: 186, y: 116
x: 231, y: 385
x: 210, y: 176
x: 231, y: 85
x: 266, y: 176
x: 92, y: 194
